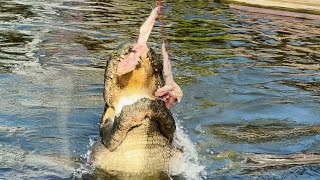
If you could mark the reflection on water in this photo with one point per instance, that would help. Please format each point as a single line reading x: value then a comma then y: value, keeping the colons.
x: 251, y: 82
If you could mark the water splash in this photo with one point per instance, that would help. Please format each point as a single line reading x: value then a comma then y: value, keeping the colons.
x: 88, y: 154
x: 85, y: 168
x: 187, y: 163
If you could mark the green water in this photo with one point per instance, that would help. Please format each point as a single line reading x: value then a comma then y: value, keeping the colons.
x: 249, y: 81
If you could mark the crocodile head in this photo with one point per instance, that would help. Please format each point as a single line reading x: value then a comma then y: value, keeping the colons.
x: 142, y: 81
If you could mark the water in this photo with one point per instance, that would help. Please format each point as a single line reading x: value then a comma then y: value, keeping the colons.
x: 243, y: 75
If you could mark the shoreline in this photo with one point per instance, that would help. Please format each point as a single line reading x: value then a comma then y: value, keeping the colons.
x: 275, y: 12
x: 308, y: 9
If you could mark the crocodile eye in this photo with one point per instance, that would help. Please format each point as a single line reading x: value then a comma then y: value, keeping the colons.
x: 130, y: 50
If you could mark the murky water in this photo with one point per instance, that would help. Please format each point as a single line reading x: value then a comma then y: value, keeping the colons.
x: 250, y: 82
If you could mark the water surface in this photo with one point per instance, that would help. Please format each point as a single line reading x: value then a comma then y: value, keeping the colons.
x: 243, y: 75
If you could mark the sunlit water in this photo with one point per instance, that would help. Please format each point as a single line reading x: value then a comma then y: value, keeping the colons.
x: 240, y: 72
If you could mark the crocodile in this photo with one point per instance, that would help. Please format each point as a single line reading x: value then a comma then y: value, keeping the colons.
x: 137, y: 128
